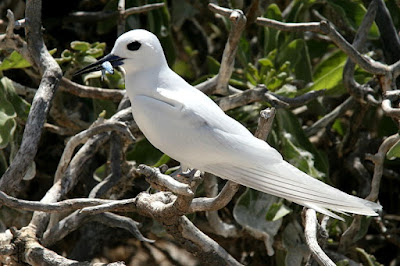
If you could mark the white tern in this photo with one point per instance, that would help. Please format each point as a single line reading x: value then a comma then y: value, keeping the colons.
x: 188, y: 126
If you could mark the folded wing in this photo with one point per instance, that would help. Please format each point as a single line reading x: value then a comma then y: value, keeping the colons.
x: 253, y: 163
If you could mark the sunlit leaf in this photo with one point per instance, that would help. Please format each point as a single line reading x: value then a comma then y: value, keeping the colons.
x: 80, y: 46
x: 394, y: 151
x: 277, y: 211
x: 14, y: 60
x: 329, y: 73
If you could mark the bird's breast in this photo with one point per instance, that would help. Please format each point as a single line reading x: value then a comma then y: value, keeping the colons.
x: 162, y: 125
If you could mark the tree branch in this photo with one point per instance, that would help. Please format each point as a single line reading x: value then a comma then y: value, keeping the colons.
x: 41, y: 103
x: 91, y: 92
x: 310, y: 232
x: 228, y: 58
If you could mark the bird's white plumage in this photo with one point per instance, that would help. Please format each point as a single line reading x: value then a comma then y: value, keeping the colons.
x: 188, y: 126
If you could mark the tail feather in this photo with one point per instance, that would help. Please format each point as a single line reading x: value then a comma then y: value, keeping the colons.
x: 286, y: 181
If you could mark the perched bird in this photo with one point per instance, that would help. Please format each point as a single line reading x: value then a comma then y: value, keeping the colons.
x: 185, y: 124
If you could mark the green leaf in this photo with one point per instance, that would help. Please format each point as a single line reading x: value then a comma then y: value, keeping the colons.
x: 80, y: 46
x: 296, y: 52
x: 265, y: 62
x: 144, y: 152
x: 163, y: 160
x: 7, y: 121
x: 328, y: 74
x: 369, y: 259
x: 100, y: 106
x: 212, y: 65
x: 294, y: 243
x: 115, y: 81
x: 19, y: 104
x: 95, y: 52
x: 271, y: 35
x: 353, y: 13
x: 183, y: 69
x: 250, y: 212
x: 297, y: 149
x: 277, y: 211
x: 394, y: 151
x: 14, y: 60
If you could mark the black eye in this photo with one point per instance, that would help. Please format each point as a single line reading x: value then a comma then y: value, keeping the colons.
x: 133, y: 46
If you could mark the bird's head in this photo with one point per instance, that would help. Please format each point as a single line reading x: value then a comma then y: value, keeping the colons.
x: 134, y: 50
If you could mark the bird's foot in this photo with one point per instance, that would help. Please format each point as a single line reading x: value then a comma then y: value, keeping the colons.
x: 189, y: 174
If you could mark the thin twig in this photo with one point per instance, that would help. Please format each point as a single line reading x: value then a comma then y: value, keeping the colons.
x: 62, y: 206
x: 330, y: 117
x: 83, y: 136
x: 83, y: 16
x: 76, y: 219
x: 220, y: 201
x: 220, y: 227
x: 362, y: 93
x: 154, y: 176
x: 310, y: 232
x: 261, y: 94
x: 378, y: 159
x: 228, y: 58
x: 325, y: 27
x: 91, y: 92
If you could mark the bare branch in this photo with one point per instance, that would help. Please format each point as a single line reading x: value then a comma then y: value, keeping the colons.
x: 220, y: 227
x: 228, y: 58
x: 83, y: 16
x: 66, y: 205
x: 154, y: 176
x: 91, y: 92
x: 378, y: 159
x: 310, y: 232
x: 41, y: 102
x: 389, y: 110
x: 330, y: 117
x: 296, y: 27
x: 142, y: 9
x: 83, y: 136
x: 362, y: 93
x: 200, y: 244
x: 265, y: 123
x: 325, y: 27
x: 127, y: 205
x: 388, y: 32
x: 262, y: 94
x: 116, y: 157
x: 220, y: 201
x: 76, y: 219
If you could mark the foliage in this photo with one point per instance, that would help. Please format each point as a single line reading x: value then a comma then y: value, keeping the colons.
x: 288, y: 64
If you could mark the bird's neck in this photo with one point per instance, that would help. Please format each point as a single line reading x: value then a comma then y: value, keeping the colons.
x: 144, y: 81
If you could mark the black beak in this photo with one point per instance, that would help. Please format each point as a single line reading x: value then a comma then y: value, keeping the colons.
x: 96, y: 66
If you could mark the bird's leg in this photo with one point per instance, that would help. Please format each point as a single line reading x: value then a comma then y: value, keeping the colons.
x: 190, y: 173
x: 185, y: 176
